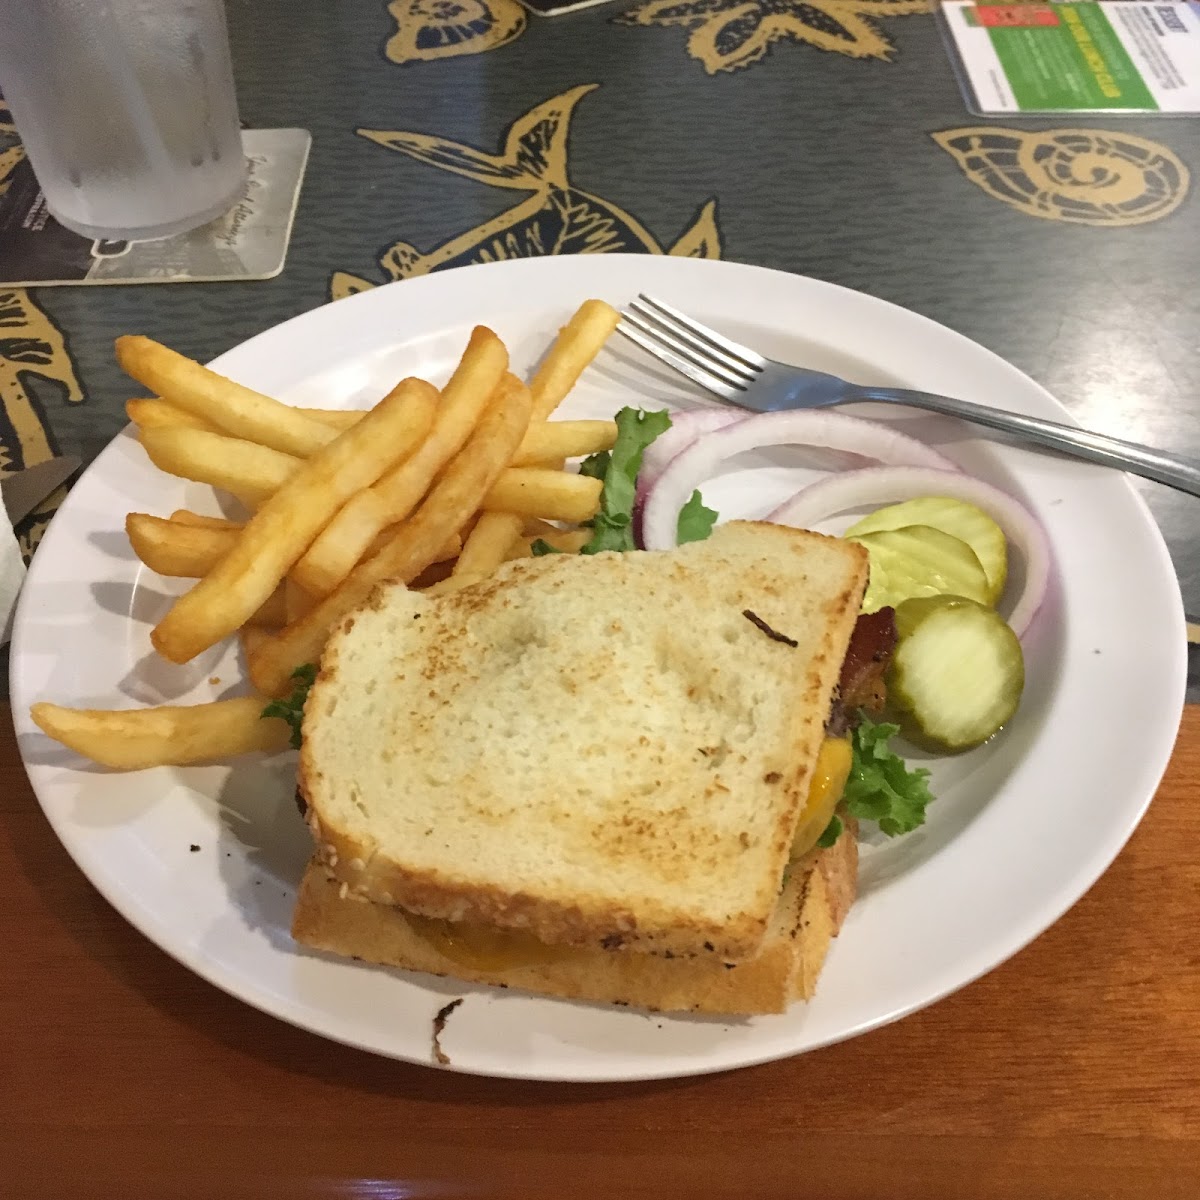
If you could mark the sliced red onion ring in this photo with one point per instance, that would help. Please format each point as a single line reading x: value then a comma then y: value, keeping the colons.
x: 692, y: 466
x: 686, y: 427
x: 889, y: 485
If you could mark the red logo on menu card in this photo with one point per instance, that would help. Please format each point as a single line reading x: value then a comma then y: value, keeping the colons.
x: 1015, y: 15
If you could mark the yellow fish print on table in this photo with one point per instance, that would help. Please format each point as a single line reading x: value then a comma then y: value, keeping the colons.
x: 1084, y: 176
x: 427, y: 30
x: 30, y: 345
x: 730, y: 34
x: 557, y: 217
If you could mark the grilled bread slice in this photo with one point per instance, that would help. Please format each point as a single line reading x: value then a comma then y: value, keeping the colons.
x: 606, y: 750
x: 808, y: 915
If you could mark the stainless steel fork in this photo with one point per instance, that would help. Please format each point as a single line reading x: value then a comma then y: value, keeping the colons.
x: 743, y: 377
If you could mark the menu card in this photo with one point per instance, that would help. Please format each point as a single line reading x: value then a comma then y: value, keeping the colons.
x: 1115, y: 56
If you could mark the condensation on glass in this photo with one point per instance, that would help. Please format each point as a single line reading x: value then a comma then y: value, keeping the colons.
x: 126, y: 109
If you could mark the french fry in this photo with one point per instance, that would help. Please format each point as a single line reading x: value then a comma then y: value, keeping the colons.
x: 488, y: 544
x: 456, y: 583
x: 155, y: 414
x: 341, y: 544
x: 250, y: 501
x: 451, y: 548
x: 522, y: 492
x: 349, y: 535
x: 539, y: 492
x: 176, y: 549
x: 249, y: 471
x: 335, y: 418
x: 567, y: 541
x: 238, y: 410
x: 173, y: 735
x: 149, y: 413
x: 283, y: 528
x: 184, y: 516
x: 251, y: 637
x: 191, y: 552
x: 450, y: 503
x: 578, y: 342
x: 552, y: 441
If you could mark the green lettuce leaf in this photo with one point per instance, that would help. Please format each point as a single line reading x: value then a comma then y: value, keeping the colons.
x: 833, y: 831
x: 695, y: 521
x: 612, y: 527
x: 595, y: 466
x: 291, y: 708
x: 881, y: 788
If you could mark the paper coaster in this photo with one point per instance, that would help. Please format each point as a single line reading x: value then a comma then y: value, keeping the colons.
x: 1109, y: 57
x: 249, y: 242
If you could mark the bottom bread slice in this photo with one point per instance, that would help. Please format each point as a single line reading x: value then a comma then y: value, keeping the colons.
x: 812, y: 906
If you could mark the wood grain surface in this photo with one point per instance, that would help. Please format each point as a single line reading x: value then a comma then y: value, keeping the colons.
x: 1071, y: 1071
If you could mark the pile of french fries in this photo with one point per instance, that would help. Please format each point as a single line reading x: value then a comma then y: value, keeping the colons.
x: 435, y: 490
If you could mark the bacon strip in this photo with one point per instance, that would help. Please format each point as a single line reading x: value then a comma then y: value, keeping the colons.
x: 867, y: 657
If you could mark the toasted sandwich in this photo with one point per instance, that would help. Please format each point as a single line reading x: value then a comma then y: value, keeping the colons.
x: 817, y: 893
x: 588, y: 775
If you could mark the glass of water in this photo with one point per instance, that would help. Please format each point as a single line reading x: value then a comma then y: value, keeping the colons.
x: 127, y: 111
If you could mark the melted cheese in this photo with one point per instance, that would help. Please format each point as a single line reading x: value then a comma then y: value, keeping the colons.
x: 483, y: 947
x: 830, y: 773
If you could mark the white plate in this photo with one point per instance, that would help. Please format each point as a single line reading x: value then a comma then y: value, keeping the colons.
x: 1021, y: 828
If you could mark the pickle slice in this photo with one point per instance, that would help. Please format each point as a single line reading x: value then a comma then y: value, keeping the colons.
x: 919, y: 560
x: 957, y: 672
x: 955, y: 517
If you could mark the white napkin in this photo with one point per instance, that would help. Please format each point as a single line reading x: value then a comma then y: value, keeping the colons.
x: 12, y: 575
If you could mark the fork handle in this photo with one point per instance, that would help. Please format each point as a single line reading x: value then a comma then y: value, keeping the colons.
x: 1172, y: 469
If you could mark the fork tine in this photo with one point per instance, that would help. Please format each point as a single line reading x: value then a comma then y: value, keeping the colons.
x: 666, y: 338
x: 692, y: 346
x: 742, y: 354
x: 705, y: 378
